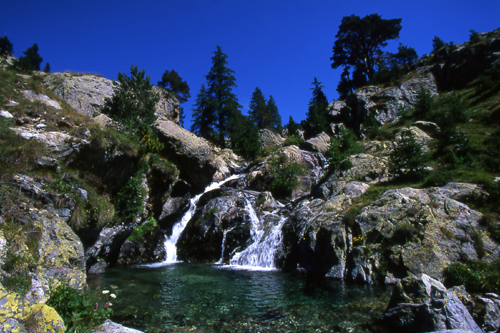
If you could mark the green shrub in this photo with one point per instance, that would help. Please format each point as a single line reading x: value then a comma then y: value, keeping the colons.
x: 141, y: 231
x: 130, y: 198
x: 81, y: 311
x: 477, y: 276
x: 340, y: 149
x: 293, y: 140
x: 425, y: 103
x: 407, y: 160
x: 283, y: 175
x: 437, y: 178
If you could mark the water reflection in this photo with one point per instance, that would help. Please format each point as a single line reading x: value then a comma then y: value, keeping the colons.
x: 213, y: 298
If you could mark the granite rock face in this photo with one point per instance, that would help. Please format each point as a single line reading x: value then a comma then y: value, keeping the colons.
x: 270, y: 139
x: 422, y: 304
x: 86, y: 93
x: 319, y: 144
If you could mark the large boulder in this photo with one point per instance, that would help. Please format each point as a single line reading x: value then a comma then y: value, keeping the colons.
x: 319, y: 144
x: 87, y: 93
x: 201, y: 164
x: 270, y: 139
x: 422, y: 304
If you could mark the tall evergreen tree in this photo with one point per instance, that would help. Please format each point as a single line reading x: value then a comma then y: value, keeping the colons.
x: 46, y: 69
x: 222, y: 101
x: 30, y: 61
x: 258, y: 110
x: 317, y: 115
x: 292, y: 127
x: 6, y: 47
x: 274, y: 116
x: 244, y: 135
x: 203, y: 116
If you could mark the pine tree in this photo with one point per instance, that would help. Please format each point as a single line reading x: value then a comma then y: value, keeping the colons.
x: 30, y: 61
x: 292, y: 127
x: 221, y: 100
x: 317, y: 115
x: 133, y: 100
x: 6, y: 47
x: 172, y: 81
x: 203, y: 117
x: 244, y: 136
x: 274, y: 116
x: 46, y: 69
x: 258, y: 110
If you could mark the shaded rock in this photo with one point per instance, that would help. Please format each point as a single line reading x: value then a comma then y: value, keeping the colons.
x: 422, y: 304
x: 172, y: 206
x: 319, y: 144
x: 270, y: 139
x: 48, y: 163
x: 489, y: 317
x: 110, y: 239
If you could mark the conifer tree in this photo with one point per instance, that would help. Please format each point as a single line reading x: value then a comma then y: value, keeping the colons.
x: 222, y: 102
x: 203, y: 117
x: 30, y: 61
x: 292, y: 127
x: 244, y: 136
x: 317, y: 115
x: 274, y: 116
x: 46, y: 69
x: 172, y: 81
x: 257, y: 111
x: 6, y: 47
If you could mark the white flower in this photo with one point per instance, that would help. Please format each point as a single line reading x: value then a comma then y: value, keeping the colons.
x: 112, y: 295
x: 104, y: 292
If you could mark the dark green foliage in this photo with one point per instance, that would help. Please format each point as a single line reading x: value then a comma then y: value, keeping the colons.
x: 342, y: 148
x: 264, y: 113
x: 46, y: 69
x: 222, y: 102
x: 407, y: 161
x: 437, y: 44
x: 284, y: 175
x: 142, y: 230
x: 30, y: 61
x: 172, y: 81
x: 424, y: 107
x: 372, y: 127
x: 133, y: 100
x: 244, y: 136
x: 257, y: 110
x: 274, y: 116
x: 292, y: 127
x: 474, y: 36
x: 475, y: 275
x: 130, y: 198
x: 182, y: 116
x: 453, y: 113
x: 437, y: 178
x: 346, y: 85
x: 317, y: 115
x: 493, y: 151
x: 6, y: 47
x: 203, y: 115
x: 81, y: 311
x: 405, y: 56
x: 359, y: 41
x: 492, y: 225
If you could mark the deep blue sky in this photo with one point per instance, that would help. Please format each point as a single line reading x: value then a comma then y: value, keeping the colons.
x: 278, y: 45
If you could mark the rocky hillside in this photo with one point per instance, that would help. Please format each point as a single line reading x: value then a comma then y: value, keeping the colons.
x: 78, y: 196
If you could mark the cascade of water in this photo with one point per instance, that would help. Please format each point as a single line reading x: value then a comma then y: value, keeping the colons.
x: 170, y: 248
x: 223, y: 246
x: 261, y: 252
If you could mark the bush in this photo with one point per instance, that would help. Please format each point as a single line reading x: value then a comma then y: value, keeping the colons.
x: 342, y: 148
x: 407, y: 161
x: 424, y: 106
x: 477, y: 276
x: 141, y: 231
x: 283, y: 175
x: 81, y: 311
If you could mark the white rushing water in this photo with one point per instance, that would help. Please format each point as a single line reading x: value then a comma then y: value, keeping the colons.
x: 170, y: 248
x: 260, y: 254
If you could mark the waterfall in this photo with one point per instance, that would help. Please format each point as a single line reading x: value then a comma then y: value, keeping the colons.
x: 260, y: 254
x: 170, y: 248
